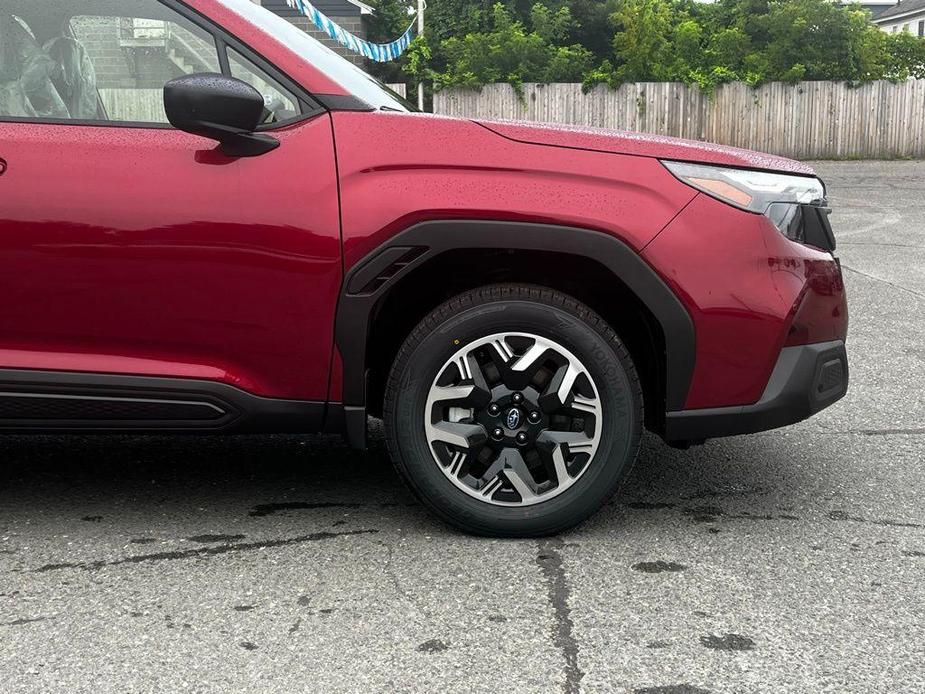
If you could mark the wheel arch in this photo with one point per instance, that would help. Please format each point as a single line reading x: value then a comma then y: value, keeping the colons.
x: 387, y: 293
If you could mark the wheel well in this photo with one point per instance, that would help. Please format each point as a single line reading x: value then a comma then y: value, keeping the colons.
x: 454, y: 272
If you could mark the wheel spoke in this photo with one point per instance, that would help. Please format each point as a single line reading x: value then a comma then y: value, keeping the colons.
x: 475, y: 395
x: 464, y: 367
x: 568, y: 382
x: 559, y: 390
x: 531, y: 358
x: 583, y: 404
x: 574, y: 441
x: 481, y: 395
x: 491, y: 481
x: 509, y: 466
x: 503, y: 350
x: 460, y: 434
x: 456, y: 463
x: 493, y: 486
x: 518, y: 371
x: 518, y: 474
x: 457, y: 394
x: 558, y: 464
x: 555, y: 446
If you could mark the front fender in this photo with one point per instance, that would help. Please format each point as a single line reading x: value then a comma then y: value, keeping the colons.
x: 370, y: 280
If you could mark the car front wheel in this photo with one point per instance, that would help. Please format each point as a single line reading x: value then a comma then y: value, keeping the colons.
x: 513, y: 411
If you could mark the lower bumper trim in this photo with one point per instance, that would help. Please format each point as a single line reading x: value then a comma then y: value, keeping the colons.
x: 806, y: 379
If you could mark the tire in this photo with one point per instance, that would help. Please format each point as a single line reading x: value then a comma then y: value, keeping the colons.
x: 451, y: 426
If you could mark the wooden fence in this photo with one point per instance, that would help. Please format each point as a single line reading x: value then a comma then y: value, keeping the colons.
x: 399, y: 88
x: 810, y: 120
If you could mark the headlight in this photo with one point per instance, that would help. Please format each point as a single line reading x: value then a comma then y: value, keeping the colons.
x: 796, y: 205
x: 754, y: 191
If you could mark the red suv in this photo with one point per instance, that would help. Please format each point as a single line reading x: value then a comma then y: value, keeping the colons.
x: 209, y: 222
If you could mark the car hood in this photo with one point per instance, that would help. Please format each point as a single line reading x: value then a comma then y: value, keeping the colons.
x: 641, y: 144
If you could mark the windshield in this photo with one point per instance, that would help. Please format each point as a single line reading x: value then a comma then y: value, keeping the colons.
x: 345, y: 73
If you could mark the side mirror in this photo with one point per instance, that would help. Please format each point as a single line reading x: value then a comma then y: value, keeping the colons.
x: 220, y: 108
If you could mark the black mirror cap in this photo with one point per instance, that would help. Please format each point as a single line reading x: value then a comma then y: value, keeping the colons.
x: 220, y: 108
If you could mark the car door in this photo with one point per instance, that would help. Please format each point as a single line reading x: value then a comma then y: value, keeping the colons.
x: 129, y: 247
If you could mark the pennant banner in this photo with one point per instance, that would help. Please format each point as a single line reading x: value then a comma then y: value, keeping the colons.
x: 381, y: 52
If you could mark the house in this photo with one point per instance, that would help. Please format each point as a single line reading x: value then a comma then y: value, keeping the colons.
x: 347, y: 13
x: 908, y: 15
x: 876, y: 7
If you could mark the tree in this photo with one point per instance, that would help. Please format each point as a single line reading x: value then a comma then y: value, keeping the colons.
x: 510, y: 51
x: 475, y: 42
x: 643, y: 45
x: 815, y: 40
x: 592, y: 25
x: 905, y: 56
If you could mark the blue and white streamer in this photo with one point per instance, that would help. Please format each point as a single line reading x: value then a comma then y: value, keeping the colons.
x: 381, y: 52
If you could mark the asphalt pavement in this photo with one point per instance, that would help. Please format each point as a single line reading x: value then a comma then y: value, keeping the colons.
x: 790, y: 561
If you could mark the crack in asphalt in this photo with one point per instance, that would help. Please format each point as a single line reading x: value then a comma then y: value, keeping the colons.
x: 913, y: 431
x: 269, y: 509
x: 839, y: 515
x: 711, y: 514
x: 880, y: 279
x: 549, y: 559
x: 261, y: 510
x: 20, y: 622
x: 880, y: 245
x: 200, y: 551
x: 393, y: 577
x: 891, y: 432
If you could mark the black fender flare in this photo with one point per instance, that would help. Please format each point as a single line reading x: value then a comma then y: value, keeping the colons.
x: 371, y: 279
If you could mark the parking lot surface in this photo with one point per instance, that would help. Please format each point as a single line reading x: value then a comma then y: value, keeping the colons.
x: 790, y: 561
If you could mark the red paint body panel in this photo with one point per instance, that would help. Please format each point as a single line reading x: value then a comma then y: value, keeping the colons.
x: 643, y: 144
x: 399, y: 169
x: 822, y: 313
x: 742, y: 281
x: 147, y: 251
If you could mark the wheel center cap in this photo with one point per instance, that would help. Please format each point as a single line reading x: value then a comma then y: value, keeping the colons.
x: 513, y: 418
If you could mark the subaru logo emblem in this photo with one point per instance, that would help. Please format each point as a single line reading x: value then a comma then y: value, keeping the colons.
x: 513, y: 418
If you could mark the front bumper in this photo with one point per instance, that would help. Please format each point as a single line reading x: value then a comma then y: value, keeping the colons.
x: 806, y: 379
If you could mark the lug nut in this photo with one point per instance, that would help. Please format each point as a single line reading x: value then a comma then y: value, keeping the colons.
x: 534, y: 417
x: 497, y: 433
x: 494, y: 410
x: 521, y: 438
x: 517, y: 398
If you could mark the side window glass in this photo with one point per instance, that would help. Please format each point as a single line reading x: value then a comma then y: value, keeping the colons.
x: 281, y: 104
x: 26, y: 90
x: 108, y: 61
x: 96, y: 60
x: 124, y: 62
